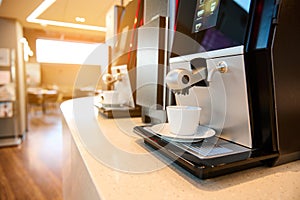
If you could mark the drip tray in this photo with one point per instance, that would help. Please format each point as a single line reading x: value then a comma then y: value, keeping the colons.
x: 208, y: 158
x: 119, y: 111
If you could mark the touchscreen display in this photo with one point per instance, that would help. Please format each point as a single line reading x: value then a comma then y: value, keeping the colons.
x: 210, y: 24
x: 206, y: 15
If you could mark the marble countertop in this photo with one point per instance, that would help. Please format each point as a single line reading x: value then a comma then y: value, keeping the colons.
x: 120, y: 166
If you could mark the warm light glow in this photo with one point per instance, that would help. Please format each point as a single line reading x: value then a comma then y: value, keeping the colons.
x: 33, y: 17
x: 54, y: 51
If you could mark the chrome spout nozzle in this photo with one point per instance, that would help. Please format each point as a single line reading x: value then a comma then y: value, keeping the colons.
x: 109, y: 79
x: 181, y: 80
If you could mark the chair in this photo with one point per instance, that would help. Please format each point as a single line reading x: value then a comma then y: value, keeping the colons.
x: 51, y: 101
x: 35, y: 101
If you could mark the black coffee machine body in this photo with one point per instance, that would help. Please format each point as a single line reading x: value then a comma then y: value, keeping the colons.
x: 254, y: 105
x: 272, y: 71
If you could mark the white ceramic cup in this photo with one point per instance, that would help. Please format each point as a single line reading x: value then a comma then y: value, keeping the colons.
x: 183, y: 120
x: 109, y: 97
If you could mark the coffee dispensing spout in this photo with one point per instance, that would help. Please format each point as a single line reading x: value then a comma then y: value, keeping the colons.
x: 110, y: 79
x: 181, y: 80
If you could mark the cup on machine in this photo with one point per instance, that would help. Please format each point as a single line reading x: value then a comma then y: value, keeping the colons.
x: 183, y: 120
x: 110, y: 97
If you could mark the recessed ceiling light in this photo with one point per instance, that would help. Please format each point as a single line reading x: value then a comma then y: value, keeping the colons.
x: 80, y: 19
x: 33, y: 17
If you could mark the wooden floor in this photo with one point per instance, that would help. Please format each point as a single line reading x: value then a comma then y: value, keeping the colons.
x: 33, y: 170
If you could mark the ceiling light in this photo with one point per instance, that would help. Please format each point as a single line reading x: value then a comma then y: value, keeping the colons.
x: 39, y: 10
x: 80, y: 19
x: 33, y: 17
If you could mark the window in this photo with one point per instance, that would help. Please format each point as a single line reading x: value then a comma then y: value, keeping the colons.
x: 54, y: 51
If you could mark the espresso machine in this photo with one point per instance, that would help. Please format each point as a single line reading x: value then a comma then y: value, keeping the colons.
x: 237, y: 60
x: 120, y: 75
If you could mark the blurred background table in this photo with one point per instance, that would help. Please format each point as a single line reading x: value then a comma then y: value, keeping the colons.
x: 43, y: 98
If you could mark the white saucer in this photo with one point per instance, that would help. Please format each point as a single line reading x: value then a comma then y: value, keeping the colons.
x: 164, y: 131
x: 101, y: 105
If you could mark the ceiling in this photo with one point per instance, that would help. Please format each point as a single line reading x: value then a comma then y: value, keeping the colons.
x: 94, y: 12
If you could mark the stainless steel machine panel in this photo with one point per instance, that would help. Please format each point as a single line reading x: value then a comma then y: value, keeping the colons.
x: 224, y: 101
x: 155, y: 8
x: 152, y: 68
